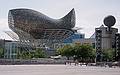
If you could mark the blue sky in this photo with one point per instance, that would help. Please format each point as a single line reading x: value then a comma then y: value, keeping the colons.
x: 89, y: 13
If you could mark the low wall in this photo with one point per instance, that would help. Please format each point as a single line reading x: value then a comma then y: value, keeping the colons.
x: 32, y: 61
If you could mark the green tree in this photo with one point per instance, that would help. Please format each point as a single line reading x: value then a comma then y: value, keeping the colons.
x: 1, y: 52
x: 108, y: 54
x: 67, y: 51
x: 79, y: 52
x: 25, y: 55
x: 84, y: 53
x: 39, y: 53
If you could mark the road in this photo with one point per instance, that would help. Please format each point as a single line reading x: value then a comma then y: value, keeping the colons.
x: 56, y: 70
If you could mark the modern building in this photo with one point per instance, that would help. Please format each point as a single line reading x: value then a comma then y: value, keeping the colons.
x: 86, y: 41
x: 2, y: 42
x: 11, y: 50
x: 73, y: 37
x: 106, y: 37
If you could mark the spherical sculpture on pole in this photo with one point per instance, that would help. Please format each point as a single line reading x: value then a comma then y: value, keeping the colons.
x: 109, y: 21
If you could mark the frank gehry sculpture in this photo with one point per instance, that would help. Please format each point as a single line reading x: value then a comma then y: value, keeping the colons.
x: 26, y: 22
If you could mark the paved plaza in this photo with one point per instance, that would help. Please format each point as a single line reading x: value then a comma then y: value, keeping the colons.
x: 56, y: 70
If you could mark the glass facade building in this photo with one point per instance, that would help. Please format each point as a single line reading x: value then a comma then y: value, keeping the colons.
x: 74, y: 37
x: 10, y: 51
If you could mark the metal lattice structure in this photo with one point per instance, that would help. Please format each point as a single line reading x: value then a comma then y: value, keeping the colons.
x: 35, y: 29
x: 13, y: 35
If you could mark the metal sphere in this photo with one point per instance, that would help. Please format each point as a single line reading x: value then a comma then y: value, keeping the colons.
x: 109, y: 21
